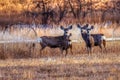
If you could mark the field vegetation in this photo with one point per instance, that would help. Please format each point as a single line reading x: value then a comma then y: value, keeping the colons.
x: 28, y: 50
x: 51, y: 65
x: 56, y: 12
x: 22, y: 20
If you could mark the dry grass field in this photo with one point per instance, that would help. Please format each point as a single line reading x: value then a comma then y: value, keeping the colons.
x: 30, y: 19
x: 23, y: 61
x: 51, y: 65
x: 82, y: 67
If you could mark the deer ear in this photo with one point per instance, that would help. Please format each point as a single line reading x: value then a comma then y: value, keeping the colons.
x: 92, y: 27
x: 85, y: 26
x: 61, y: 27
x: 78, y: 26
x: 70, y: 27
x: 69, y: 35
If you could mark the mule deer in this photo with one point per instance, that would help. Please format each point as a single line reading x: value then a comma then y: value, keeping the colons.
x: 91, y: 39
x: 62, y: 42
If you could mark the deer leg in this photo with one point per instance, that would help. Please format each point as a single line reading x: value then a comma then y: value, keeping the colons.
x: 90, y: 50
x: 41, y: 50
x: 104, y: 44
x: 66, y: 52
x: 33, y: 46
x: 71, y: 49
x: 61, y: 49
x: 31, y: 49
x: 101, y: 48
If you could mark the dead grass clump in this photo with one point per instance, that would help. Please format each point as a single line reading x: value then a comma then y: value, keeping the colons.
x: 3, y: 56
x: 28, y: 50
x: 18, y: 51
x: 28, y: 74
x: 21, y: 54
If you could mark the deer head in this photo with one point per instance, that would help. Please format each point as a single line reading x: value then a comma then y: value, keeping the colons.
x: 66, y: 29
x: 85, y: 28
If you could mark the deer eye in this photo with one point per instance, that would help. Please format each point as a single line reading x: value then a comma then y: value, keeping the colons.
x: 81, y: 30
x: 66, y: 32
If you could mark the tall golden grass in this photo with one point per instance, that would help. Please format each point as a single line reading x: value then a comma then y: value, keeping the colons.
x: 28, y: 50
x: 25, y: 50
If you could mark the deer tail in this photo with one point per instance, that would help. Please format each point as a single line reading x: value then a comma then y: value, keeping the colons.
x: 104, y: 43
x: 39, y: 39
x: 104, y: 40
x: 103, y: 37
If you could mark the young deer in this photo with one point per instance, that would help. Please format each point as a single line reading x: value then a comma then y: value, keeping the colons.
x: 91, y: 39
x: 62, y: 42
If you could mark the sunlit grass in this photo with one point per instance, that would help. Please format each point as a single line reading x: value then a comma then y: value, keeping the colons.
x: 23, y: 61
x: 27, y: 50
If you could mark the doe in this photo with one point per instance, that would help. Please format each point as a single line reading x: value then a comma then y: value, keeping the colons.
x: 91, y: 39
x: 62, y: 42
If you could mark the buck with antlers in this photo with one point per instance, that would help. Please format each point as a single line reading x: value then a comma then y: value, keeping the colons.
x: 61, y: 42
x: 91, y: 39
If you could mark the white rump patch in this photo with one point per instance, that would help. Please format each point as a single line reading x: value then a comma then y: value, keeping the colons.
x: 70, y: 43
x: 39, y: 39
x: 103, y: 38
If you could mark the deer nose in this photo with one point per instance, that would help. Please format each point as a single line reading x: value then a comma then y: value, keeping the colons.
x: 84, y: 31
x: 66, y: 32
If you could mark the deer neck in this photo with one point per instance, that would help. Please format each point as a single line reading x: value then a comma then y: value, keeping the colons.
x: 86, y: 38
